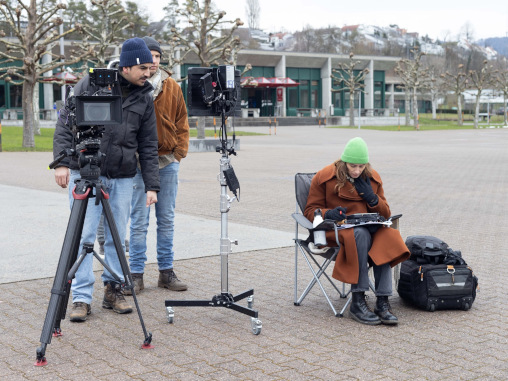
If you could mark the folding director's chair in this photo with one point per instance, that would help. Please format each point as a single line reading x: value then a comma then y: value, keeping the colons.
x: 317, y: 261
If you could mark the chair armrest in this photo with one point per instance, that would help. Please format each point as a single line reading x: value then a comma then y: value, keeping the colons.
x: 302, y: 220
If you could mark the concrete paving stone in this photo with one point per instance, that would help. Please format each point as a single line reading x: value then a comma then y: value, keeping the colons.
x: 437, y: 179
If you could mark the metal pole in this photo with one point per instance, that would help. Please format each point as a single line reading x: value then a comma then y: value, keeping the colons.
x: 225, y: 243
x: 62, y: 53
x: 359, y: 108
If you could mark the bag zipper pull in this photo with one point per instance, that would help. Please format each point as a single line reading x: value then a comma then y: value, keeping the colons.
x: 451, y: 270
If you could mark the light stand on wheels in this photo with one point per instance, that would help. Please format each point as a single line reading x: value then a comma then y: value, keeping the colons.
x: 89, y: 158
x: 227, y: 178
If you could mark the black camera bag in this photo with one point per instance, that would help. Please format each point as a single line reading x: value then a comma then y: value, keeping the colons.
x: 436, y: 277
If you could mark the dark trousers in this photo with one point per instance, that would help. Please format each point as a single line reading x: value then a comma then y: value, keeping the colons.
x: 382, y: 274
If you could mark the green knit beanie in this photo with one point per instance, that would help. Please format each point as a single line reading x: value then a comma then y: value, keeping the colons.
x: 355, y: 152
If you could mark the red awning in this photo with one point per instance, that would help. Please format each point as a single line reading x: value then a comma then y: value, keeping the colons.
x: 69, y: 78
x: 267, y: 82
x: 288, y: 82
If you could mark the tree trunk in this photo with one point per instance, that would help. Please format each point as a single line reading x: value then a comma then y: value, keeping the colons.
x: 434, y: 105
x: 351, y: 108
x: 415, y: 109
x: 459, y: 110
x: 505, y: 113
x: 36, y: 113
x: 407, y: 107
x: 28, y: 121
x: 477, y: 109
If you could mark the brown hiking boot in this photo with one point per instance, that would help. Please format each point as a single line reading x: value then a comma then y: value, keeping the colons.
x: 168, y: 279
x: 114, y: 299
x: 80, y: 311
x: 137, y: 282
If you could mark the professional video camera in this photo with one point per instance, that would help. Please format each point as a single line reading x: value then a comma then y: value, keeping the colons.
x: 87, y: 115
x: 213, y: 91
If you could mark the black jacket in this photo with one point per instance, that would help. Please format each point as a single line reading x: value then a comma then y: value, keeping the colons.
x: 120, y: 142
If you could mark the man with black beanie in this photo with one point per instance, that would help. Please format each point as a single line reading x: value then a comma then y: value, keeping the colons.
x: 173, y: 133
x: 120, y: 142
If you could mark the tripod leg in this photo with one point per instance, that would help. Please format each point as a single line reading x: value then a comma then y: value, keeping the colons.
x: 108, y: 215
x: 60, y: 290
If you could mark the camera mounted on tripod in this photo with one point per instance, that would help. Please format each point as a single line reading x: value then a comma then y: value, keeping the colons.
x: 213, y: 91
x: 87, y: 115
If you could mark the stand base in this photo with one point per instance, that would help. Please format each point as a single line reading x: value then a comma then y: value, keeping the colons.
x: 226, y: 300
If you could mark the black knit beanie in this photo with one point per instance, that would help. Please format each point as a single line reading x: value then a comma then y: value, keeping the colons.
x: 135, y: 52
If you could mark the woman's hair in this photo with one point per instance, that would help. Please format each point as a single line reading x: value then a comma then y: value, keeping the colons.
x: 342, y: 174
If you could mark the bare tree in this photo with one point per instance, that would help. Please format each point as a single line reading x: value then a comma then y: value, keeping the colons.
x: 414, y: 76
x: 35, y: 26
x: 432, y: 86
x: 207, y: 34
x: 345, y: 77
x: 467, y: 32
x: 481, y: 79
x: 306, y: 40
x: 103, y: 25
x: 253, y: 10
x: 457, y: 82
x: 501, y: 81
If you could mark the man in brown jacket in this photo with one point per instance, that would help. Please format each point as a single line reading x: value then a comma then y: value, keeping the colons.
x: 173, y: 135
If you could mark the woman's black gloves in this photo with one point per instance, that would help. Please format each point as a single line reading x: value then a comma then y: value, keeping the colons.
x: 365, y: 191
x: 337, y: 214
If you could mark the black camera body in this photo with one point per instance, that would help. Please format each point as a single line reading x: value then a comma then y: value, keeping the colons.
x: 101, y: 108
x: 212, y: 91
x: 88, y: 114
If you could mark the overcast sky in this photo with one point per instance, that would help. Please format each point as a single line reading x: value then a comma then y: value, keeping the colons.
x: 437, y: 18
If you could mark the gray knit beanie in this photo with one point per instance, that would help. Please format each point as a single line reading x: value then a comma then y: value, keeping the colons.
x: 152, y: 44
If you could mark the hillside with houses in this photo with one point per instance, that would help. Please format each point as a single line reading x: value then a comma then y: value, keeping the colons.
x: 368, y: 40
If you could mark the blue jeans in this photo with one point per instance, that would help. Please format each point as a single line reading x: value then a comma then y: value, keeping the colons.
x: 165, y: 215
x: 382, y: 273
x: 120, y: 195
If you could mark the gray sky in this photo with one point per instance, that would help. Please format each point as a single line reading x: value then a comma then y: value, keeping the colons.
x: 437, y: 18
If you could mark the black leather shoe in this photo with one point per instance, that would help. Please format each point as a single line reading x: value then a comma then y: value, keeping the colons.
x: 361, y: 312
x: 383, y: 310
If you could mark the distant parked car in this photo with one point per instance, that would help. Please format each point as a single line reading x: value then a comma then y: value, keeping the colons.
x: 500, y: 111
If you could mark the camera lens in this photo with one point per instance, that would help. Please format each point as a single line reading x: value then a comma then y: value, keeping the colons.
x: 97, y: 111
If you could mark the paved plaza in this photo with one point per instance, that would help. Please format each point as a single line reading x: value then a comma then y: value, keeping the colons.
x: 450, y: 184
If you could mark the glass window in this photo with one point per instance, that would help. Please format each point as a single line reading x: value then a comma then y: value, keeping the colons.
x: 336, y: 99
x: 304, y: 103
x: 16, y: 96
x: 314, y: 98
x: 293, y: 97
x: 2, y: 96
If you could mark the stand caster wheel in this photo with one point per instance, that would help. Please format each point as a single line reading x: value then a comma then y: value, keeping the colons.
x: 170, y: 312
x: 250, y: 301
x: 256, y: 326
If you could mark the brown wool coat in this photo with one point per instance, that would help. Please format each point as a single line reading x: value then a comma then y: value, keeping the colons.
x: 387, y: 244
x: 172, y: 122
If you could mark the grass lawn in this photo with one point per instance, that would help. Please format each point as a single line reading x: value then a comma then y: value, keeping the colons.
x: 427, y: 124
x: 12, y: 138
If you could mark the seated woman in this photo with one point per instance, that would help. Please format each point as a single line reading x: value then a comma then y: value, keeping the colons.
x: 350, y: 185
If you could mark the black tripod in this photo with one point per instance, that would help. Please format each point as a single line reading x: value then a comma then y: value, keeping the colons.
x: 69, y: 262
x: 225, y: 299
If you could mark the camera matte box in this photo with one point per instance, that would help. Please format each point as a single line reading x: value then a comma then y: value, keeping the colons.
x: 200, y: 89
x: 98, y: 110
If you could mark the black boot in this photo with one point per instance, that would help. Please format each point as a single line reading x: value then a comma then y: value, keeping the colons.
x: 383, y: 310
x: 361, y: 312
